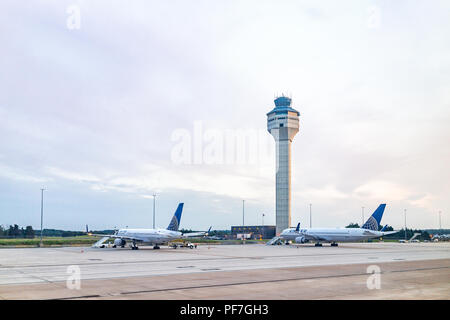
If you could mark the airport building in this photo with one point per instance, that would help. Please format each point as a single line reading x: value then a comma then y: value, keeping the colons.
x: 253, y: 232
x: 283, y: 125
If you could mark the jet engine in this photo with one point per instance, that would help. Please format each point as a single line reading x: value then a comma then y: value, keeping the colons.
x: 300, y: 240
x: 119, y: 242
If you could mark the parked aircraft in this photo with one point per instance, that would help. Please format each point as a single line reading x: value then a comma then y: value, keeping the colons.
x: 318, y: 235
x: 155, y: 237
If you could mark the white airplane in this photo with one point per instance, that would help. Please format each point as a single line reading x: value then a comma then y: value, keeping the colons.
x: 153, y: 237
x: 318, y: 235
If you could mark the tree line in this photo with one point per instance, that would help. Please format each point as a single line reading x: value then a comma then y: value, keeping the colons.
x: 16, y: 232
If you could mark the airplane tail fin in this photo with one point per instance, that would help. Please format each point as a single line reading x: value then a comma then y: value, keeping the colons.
x: 374, y: 221
x: 175, y: 222
x: 298, y: 227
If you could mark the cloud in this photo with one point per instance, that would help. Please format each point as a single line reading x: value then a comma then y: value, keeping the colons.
x: 18, y: 175
x: 72, y: 176
x: 326, y: 193
x: 383, y: 190
x: 426, y: 201
x: 96, y: 108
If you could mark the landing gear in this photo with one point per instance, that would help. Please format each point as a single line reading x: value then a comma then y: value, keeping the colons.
x: 134, y: 246
x: 156, y: 247
x: 318, y: 244
x: 334, y: 244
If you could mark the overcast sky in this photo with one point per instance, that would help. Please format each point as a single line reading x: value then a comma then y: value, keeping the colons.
x: 98, y: 100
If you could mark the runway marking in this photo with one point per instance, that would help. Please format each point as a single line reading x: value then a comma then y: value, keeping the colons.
x: 253, y: 282
x: 79, y: 297
x: 32, y: 276
x: 214, y: 259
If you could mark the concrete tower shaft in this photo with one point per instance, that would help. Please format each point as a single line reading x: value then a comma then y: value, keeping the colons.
x: 283, y: 125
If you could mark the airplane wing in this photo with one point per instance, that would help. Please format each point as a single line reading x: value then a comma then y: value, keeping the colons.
x: 100, y: 235
x: 368, y: 232
x: 115, y: 236
x: 389, y: 232
x: 196, y: 234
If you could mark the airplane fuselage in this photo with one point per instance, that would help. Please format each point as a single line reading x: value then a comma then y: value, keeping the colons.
x: 151, y: 236
x: 329, y: 234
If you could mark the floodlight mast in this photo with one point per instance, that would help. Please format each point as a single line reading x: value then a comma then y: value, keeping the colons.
x: 154, y: 197
x: 42, y: 214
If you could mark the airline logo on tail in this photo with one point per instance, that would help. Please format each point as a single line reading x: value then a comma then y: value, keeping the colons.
x: 175, y: 222
x: 374, y: 221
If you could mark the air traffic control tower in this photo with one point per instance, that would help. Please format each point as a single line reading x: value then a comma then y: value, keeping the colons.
x: 283, y: 125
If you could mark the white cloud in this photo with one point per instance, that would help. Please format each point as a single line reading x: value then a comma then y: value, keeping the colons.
x: 97, y: 106
x: 326, y: 193
x: 19, y: 175
x: 72, y: 176
x: 383, y: 190
x: 427, y: 202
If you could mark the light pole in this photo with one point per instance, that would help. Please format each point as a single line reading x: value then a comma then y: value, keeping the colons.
x: 263, y: 219
x: 42, y: 214
x: 310, y: 215
x: 243, y: 213
x: 154, y: 199
x: 405, y: 224
x: 440, y: 225
x: 362, y: 216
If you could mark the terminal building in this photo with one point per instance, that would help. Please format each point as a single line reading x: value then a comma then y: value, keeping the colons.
x: 253, y: 232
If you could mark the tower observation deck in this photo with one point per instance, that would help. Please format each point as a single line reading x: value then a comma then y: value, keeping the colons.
x: 283, y: 125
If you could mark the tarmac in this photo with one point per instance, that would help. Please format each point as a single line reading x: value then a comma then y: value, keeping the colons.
x: 251, y: 271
